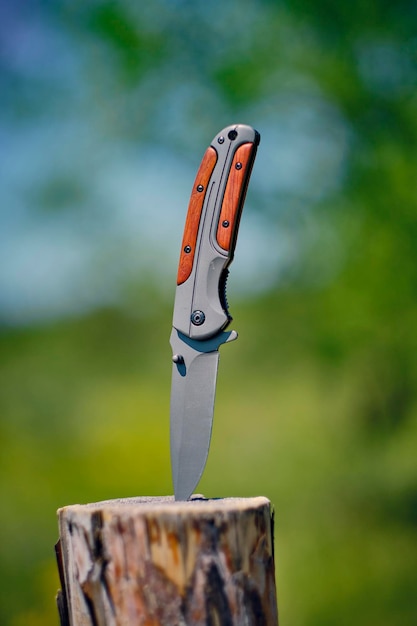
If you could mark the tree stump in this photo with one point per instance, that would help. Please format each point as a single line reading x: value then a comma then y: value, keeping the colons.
x: 157, y: 562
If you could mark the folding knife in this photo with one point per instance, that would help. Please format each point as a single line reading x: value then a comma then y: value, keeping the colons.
x: 201, y: 310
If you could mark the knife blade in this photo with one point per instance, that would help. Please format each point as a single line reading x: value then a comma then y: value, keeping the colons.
x: 201, y: 312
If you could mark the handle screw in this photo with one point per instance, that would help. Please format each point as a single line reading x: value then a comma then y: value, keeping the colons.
x: 225, y: 223
x: 187, y: 249
x: 220, y: 139
x: 238, y: 165
x: 197, y: 318
x: 200, y: 188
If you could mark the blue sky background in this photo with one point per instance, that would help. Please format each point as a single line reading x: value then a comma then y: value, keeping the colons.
x: 96, y: 171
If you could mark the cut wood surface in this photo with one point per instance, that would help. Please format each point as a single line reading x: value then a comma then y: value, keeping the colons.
x: 157, y: 562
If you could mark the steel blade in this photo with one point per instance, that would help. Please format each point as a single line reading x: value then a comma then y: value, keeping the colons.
x: 193, y: 391
x: 192, y: 405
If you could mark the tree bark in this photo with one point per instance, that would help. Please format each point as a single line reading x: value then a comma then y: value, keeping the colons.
x: 157, y: 562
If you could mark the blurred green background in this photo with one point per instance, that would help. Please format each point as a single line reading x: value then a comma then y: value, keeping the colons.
x: 106, y: 110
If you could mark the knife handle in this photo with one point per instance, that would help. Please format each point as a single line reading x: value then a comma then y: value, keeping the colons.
x: 210, y: 233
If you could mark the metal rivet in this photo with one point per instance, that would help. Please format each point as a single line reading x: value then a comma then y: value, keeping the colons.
x: 187, y: 249
x: 238, y: 165
x: 225, y: 223
x: 197, y: 318
x: 220, y: 139
x: 200, y: 188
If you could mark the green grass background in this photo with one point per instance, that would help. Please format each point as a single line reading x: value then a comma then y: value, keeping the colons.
x: 87, y: 407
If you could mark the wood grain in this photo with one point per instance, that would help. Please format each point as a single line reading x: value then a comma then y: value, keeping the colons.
x: 157, y: 562
x: 234, y: 196
x: 194, y: 214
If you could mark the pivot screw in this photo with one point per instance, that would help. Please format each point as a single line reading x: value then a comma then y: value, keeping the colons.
x: 197, y: 318
x: 232, y: 135
x: 200, y: 188
x: 178, y: 359
x: 238, y: 165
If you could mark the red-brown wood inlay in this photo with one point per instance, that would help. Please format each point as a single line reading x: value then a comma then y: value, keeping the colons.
x: 234, y: 195
x: 194, y: 214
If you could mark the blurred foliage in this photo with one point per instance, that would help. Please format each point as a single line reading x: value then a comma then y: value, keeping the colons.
x: 317, y: 402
